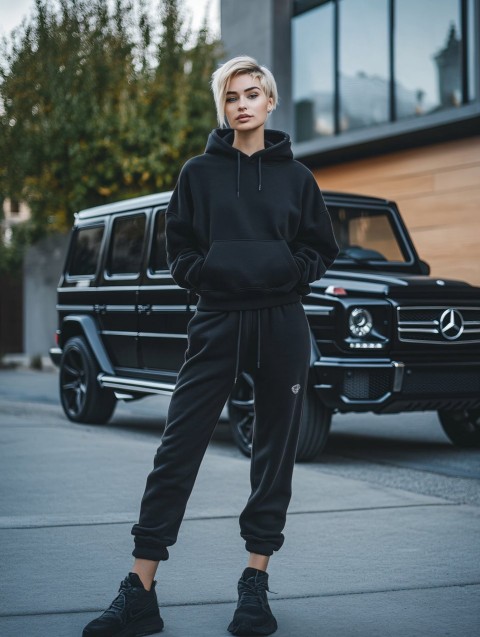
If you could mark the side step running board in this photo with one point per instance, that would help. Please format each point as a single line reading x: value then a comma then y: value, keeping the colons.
x: 134, y: 385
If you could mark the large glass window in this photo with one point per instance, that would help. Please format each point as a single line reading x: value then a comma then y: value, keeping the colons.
x: 363, y: 63
x: 359, y: 63
x: 127, y: 245
x: 85, y: 251
x: 313, y: 73
x: 428, y: 71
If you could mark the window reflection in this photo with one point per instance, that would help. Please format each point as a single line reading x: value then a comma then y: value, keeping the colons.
x: 364, y: 70
x: 85, y: 253
x: 364, y: 235
x: 427, y: 59
x: 127, y: 244
x: 313, y: 73
x: 427, y: 56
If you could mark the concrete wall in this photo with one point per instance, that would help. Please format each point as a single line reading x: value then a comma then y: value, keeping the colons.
x: 41, y: 270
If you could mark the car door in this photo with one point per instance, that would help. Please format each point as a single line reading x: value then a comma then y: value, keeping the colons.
x: 163, y: 309
x: 118, y: 294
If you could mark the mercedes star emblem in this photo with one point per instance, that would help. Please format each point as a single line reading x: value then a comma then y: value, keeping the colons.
x: 451, y: 324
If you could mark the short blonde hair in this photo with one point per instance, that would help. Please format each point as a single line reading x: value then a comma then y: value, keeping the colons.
x: 237, y: 66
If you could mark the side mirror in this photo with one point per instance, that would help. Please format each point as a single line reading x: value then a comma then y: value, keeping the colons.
x: 424, y: 267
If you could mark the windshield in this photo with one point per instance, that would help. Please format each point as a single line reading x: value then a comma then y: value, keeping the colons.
x: 366, y: 235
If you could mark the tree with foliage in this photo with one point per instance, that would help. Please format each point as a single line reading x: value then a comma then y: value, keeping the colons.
x: 98, y: 103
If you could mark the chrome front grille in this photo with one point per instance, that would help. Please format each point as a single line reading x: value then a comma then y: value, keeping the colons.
x: 439, y: 324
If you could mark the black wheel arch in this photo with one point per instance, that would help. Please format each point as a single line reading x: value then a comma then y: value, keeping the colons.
x: 86, y: 326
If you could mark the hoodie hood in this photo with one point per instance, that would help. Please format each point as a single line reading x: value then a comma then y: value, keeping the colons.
x: 278, y: 147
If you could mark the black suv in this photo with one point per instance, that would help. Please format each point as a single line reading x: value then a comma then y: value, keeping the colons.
x: 386, y: 337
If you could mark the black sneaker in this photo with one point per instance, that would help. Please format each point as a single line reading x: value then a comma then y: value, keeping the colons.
x: 133, y: 613
x: 253, y: 615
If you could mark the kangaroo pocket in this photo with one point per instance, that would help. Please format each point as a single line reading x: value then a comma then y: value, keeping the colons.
x: 248, y: 267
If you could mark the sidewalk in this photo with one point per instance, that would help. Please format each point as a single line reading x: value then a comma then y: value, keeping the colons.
x: 23, y: 361
x: 358, y: 560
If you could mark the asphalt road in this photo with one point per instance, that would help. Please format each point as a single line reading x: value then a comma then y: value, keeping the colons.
x: 407, y: 451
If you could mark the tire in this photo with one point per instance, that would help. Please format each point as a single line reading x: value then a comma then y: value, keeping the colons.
x: 314, y: 427
x: 462, y: 426
x: 82, y: 398
x: 241, y: 413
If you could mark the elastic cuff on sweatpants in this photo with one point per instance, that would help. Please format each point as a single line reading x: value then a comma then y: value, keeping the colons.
x: 159, y: 554
x: 261, y: 549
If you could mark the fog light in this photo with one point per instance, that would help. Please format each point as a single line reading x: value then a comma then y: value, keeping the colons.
x: 366, y: 345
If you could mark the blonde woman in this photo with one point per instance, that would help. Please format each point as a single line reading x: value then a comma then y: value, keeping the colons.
x: 247, y: 230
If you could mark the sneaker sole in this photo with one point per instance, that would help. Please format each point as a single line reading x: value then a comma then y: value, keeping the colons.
x: 143, y: 628
x: 244, y: 629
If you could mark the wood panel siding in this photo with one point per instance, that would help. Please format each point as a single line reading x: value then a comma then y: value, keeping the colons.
x: 437, y: 189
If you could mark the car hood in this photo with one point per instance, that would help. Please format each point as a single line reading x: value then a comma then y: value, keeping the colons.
x: 401, y: 286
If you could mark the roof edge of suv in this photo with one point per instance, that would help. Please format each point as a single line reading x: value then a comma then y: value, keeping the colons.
x: 158, y: 199
x: 147, y: 201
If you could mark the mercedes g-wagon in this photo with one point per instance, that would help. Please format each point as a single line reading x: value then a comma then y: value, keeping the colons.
x: 385, y: 336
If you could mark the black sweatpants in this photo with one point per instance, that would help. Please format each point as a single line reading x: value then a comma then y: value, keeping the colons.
x: 219, y: 344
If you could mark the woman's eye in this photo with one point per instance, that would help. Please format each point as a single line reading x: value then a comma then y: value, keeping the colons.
x: 253, y: 95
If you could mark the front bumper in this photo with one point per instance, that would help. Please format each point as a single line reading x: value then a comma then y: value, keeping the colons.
x: 385, y: 386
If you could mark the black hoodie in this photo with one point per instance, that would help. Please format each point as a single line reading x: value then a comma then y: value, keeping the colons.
x: 247, y: 232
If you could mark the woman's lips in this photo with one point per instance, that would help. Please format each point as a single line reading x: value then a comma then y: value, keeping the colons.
x: 243, y: 118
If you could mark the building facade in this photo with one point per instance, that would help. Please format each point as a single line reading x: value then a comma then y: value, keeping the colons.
x: 14, y: 212
x: 380, y: 97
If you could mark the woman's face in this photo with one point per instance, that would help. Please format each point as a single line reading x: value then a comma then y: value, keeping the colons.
x: 246, y: 97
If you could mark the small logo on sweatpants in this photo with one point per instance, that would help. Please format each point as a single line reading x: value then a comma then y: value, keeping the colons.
x: 296, y: 389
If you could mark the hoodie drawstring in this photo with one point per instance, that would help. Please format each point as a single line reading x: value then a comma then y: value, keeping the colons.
x: 258, y: 337
x: 238, y: 344
x: 259, y: 173
x: 240, y: 320
x: 238, y: 174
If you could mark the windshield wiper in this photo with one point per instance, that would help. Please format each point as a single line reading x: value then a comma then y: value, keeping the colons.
x: 362, y: 256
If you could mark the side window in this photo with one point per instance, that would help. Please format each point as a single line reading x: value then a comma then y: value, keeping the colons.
x: 158, y: 259
x: 126, y: 245
x: 85, y: 251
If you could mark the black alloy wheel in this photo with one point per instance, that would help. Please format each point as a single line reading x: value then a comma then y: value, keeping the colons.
x: 462, y: 426
x: 314, y: 427
x: 241, y: 413
x: 82, y: 398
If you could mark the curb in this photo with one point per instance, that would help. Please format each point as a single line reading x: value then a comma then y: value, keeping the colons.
x: 23, y: 361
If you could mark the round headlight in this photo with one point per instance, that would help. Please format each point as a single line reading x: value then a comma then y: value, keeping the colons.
x: 360, y: 322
